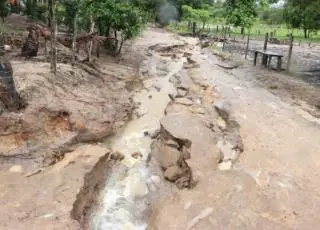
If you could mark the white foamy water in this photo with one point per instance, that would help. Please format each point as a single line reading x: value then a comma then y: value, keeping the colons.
x: 124, y: 200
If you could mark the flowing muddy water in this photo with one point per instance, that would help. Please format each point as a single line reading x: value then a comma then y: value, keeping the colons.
x: 125, y: 199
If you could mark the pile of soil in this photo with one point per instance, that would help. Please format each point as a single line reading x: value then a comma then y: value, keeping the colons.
x: 73, y: 106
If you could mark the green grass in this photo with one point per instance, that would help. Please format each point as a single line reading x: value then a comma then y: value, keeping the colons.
x: 258, y: 31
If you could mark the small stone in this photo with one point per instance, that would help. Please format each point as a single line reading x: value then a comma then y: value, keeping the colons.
x: 16, y: 169
x: 225, y: 165
x: 150, y: 96
x: 183, y: 182
x: 152, y: 133
x: 228, y: 152
x: 117, y: 156
x: 221, y: 123
x: 168, y: 156
x: 186, y: 153
x: 183, y: 101
x: 171, y: 97
x: 198, y: 110
x: 224, y: 108
x: 173, y: 173
x: 182, y: 92
x: 136, y: 155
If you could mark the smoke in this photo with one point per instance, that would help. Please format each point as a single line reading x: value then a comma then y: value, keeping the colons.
x: 166, y: 13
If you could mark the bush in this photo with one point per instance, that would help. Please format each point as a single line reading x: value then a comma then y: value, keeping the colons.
x: 40, y: 12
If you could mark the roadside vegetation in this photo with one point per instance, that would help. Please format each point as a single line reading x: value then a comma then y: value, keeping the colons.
x: 120, y: 20
x: 238, y: 18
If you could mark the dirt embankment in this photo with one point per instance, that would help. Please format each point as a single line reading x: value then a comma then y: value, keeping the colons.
x: 45, y: 156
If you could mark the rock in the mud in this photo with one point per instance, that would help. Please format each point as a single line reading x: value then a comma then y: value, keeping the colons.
x: 186, y: 153
x: 191, y: 64
x: 198, y: 110
x: 221, y: 123
x: 16, y: 169
x: 191, y: 128
x: 225, y: 165
x: 186, y: 54
x: 167, y: 156
x: 185, y: 182
x: 116, y: 156
x: 136, y: 155
x: 231, y: 127
x: 224, y: 108
x: 183, y: 101
x: 175, y: 79
x: 173, y: 173
x: 182, y: 92
x: 233, y: 136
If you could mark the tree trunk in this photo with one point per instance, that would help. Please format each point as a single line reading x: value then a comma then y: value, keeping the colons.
x: 121, y: 44
x: 194, y: 26
x: 242, y: 30
x: 116, y: 42
x: 74, y: 38
x: 52, y: 16
x: 305, y: 33
x: 189, y: 25
x: 90, y: 42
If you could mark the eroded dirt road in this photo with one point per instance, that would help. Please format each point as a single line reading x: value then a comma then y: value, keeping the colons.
x: 265, y: 178
x: 275, y: 182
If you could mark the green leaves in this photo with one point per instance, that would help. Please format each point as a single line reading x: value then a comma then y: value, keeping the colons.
x: 195, y: 15
x: 303, y: 14
x: 241, y: 12
x: 120, y: 15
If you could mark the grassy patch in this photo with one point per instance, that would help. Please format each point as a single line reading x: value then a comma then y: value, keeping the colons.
x: 258, y: 31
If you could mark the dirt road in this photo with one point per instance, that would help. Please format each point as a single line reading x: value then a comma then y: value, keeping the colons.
x: 273, y: 184
x: 281, y: 153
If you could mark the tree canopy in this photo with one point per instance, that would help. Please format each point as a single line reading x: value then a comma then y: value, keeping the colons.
x: 303, y: 14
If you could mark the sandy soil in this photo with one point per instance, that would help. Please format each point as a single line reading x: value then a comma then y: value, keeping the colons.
x: 281, y: 146
x: 47, y: 170
x: 272, y: 184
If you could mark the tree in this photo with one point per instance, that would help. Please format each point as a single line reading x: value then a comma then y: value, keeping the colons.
x: 303, y: 14
x: 72, y: 8
x: 121, y: 17
x: 195, y: 15
x: 52, y: 17
x: 241, y: 13
x: 195, y: 4
x: 4, y: 10
x: 272, y: 16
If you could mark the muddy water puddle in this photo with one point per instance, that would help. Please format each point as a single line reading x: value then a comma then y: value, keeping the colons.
x: 125, y: 199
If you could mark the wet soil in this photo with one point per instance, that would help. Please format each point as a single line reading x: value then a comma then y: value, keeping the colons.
x: 252, y: 150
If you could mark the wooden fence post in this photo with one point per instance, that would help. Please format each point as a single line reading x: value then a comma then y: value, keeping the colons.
x: 266, y: 42
x: 247, y: 47
x: 224, y: 31
x: 290, y: 53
